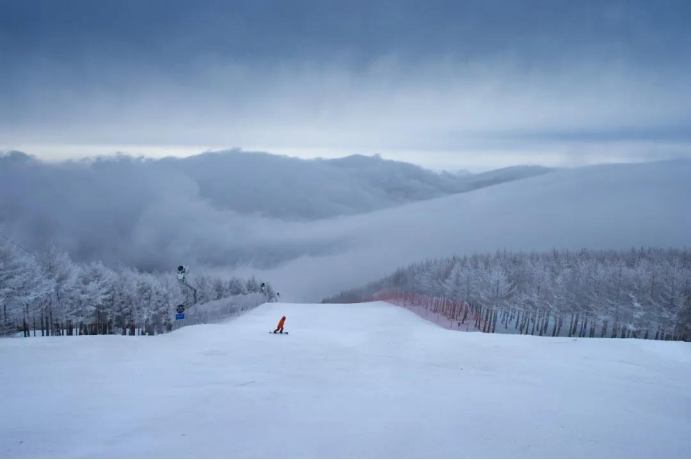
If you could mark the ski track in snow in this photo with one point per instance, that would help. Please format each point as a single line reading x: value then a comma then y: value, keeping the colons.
x: 367, y: 380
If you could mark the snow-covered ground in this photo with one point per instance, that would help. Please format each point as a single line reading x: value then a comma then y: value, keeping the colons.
x: 368, y: 380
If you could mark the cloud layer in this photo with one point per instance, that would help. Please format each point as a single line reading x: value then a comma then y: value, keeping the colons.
x: 157, y: 216
x: 461, y: 83
x: 221, y: 209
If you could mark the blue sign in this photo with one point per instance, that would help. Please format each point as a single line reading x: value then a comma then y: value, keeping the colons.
x: 180, y: 316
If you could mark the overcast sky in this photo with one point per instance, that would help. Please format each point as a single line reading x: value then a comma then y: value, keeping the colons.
x: 445, y: 84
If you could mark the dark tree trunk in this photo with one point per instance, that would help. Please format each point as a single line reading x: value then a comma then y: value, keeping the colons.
x: 541, y: 327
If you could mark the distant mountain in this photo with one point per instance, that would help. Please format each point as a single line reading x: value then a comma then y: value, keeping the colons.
x: 460, y: 173
x: 293, y: 188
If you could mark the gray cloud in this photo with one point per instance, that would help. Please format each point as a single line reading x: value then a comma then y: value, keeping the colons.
x: 136, y: 212
x: 461, y: 110
x: 222, y: 209
x: 453, y: 82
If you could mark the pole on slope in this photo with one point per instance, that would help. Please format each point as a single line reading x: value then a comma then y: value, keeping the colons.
x: 183, y: 271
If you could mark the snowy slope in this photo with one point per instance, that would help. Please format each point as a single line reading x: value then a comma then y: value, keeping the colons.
x: 370, y: 380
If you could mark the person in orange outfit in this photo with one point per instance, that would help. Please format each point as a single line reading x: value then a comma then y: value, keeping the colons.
x: 280, y: 325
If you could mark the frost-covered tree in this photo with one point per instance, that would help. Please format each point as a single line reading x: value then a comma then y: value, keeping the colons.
x: 270, y: 293
x: 253, y: 286
x: 640, y: 293
x: 21, y: 288
x: 237, y: 287
x: 61, y: 273
x: 54, y: 295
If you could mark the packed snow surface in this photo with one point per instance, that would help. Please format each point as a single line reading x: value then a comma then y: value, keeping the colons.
x: 367, y: 380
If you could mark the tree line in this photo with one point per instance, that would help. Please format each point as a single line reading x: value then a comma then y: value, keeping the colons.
x: 50, y: 294
x: 640, y: 293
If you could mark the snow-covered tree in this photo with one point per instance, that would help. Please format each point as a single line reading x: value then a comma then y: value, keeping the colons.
x: 54, y: 295
x: 253, y: 286
x: 237, y: 287
x: 21, y: 288
x: 643, y: 293
x: 61, y: 273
